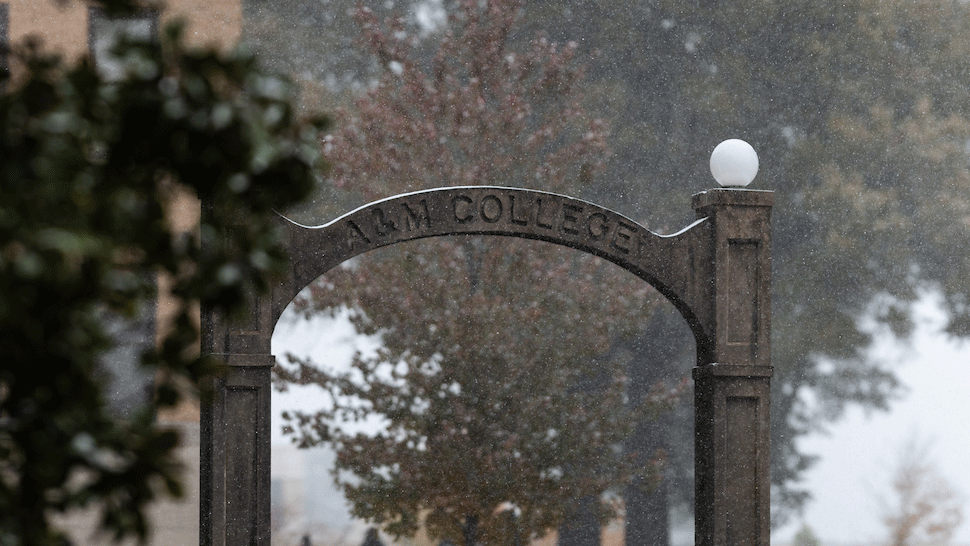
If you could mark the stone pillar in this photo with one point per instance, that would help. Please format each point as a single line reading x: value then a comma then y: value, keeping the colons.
x: 235, y: 455
x: 235, y: 446
x: 732, y: 378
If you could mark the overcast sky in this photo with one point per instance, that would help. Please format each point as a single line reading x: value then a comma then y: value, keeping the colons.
x: 860, y: 450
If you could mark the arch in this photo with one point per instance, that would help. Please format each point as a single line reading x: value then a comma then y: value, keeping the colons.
x: 663, y: 261
x: 716, y: 272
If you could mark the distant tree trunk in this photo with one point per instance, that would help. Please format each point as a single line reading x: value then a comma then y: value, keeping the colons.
x: 658, y: 357
x: 371, y: 538
x: 470, y: 530
x: 516, y: 532
x: 581, y: 528
x: 647, y: 516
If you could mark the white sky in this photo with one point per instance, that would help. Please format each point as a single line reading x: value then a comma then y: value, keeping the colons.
x: 324, y: 340
x: 860, y: 450
x: 856, y: 454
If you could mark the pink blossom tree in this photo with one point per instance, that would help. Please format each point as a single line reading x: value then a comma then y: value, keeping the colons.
x: 495, y: 377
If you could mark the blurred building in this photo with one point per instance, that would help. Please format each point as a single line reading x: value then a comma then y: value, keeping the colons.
x: 306, y: 502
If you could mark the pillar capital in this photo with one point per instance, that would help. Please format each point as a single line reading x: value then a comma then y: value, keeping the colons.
x: 736, y: 277
x: 703, y: 201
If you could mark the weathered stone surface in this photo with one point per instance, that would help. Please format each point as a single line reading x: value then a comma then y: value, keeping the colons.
x: 717, y: 272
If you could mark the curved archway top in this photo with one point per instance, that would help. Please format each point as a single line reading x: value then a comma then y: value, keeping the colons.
x: 663, y: 261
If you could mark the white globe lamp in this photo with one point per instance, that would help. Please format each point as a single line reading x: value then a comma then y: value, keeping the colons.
x: 734, y: 163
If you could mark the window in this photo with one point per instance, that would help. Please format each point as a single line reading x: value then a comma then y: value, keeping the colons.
x: 129, y: 386
x: 105, y: 32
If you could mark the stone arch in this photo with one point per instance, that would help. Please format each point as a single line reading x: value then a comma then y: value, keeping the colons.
x: 661, y: 261
x: 716, y: 272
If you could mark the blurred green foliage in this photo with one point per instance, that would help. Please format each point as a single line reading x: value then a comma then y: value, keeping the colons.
x: 90, y: 169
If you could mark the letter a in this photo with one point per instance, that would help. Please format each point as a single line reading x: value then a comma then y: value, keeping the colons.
x: 355, y: 236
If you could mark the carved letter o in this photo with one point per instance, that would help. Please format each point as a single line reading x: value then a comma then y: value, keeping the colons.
x: 496, y: 209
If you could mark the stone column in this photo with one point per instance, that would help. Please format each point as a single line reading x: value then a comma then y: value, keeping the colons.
x: 235, y: 455
x: 235, y: 447
x: 732, y: 378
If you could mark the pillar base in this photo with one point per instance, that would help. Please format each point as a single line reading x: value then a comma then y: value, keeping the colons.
x: 732, y: 455
x: 235, y: 455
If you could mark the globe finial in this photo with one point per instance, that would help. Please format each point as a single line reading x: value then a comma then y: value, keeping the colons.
x: 734, y: 163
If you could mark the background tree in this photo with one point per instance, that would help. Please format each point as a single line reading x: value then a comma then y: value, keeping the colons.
x: 494, y: 378
x: 861, y: 128
x: 922, y: 507
x: 805, y: 537
x: 860, y: 115
x: 90, y: 168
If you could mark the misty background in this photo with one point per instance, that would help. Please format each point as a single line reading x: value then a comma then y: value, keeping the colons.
x: 861, y: 117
